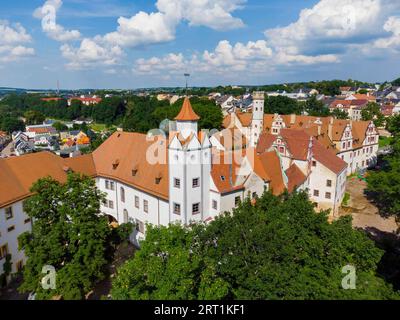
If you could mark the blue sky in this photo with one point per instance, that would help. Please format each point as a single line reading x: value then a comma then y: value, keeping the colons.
x: 137, y: 43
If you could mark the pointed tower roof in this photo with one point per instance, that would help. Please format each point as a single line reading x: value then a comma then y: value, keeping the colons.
x: 187, y: 113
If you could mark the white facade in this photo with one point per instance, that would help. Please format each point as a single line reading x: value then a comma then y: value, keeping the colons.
x: 13, y: 222
x: 258, y: 118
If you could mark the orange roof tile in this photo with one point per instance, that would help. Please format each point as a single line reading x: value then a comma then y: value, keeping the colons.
x: 272, y: 166
x: 187, y: 113
x: 295, y: 176
x: 130, y: 149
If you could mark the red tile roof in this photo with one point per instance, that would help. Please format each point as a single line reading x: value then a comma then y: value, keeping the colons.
x: 187, y: 113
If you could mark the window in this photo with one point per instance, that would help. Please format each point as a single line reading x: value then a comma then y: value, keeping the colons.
x: 177, y: 208
x: 126, y: 216
x: 196, y: 208
x: 328, y: 195
x: 12, y: 228
x: 122, y: 190
x: 111, y: 204
x: 3, y: 251
x: 177, y: 183
x: 139, y: 226
x: 316, y: 193
x: 214, y: 204
x: 19, y: 265
x: 146, y: 206
x: 314, y: 163
x: 254, y: 195
x: 196, y: 183
x: 237, y: 201
x: 282, y: 149
x: 105, y: 203
x: 27, y: 220
x: 222, y: 178
x: 107, y: 184
x: 112, y: 185
x: 329, y: 183
x: 9, y: 213
x: 344, y: 145
x: 136, y: 202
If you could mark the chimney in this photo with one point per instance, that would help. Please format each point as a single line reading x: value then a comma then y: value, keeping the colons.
x: 292, y: 119
x: 330, y: 128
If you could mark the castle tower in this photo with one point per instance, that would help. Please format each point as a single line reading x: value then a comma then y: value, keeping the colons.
x: 189, y: 165
x: 186, y: 120
x: 258, y: 118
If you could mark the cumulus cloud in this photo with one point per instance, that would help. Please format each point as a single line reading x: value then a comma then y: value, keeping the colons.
x: 48, y: 14
x: 392, y: 26
x: 158, y: 27
x: 12, y: 40
x: 90, y: 54
x: 331, y: 29
x: 215, y: 14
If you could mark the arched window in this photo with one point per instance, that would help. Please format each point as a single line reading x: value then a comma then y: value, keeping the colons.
x: 126, y: 216
x: 122, y: 194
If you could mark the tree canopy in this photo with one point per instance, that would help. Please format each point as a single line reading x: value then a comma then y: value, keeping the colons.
x: 68, y: 233
x: 373, y: 112
x: 281, y: 105
x: 384, y: 185
x: 279, y: 248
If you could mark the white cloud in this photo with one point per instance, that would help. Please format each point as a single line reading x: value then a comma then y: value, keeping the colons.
x: 156, y: 27
x: 171, y: 62
x: 12, y: 40
x: 333, y: 28
x: 90, y: 54
x: 13, y: 34
x: 215, y: 14
x: 392, y: 26
x: 141, y: 29
x: 48, y: 14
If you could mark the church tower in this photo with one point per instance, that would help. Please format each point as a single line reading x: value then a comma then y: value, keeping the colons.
x: 189, y: 165
x: 257, y: 121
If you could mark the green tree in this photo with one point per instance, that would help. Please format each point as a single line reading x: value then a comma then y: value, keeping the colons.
x: 59, y: 126
x: 281, y: 105
x: 11, y: 124
x: 340, y: 114
x: 373, y: 112
x: 396, y: 82
x: 33, y: 117
x: 314, y: 107
x: 279, y: 248
x: 68, y: 233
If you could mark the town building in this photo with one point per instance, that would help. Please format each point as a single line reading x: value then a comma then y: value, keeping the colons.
x: 192, y: 175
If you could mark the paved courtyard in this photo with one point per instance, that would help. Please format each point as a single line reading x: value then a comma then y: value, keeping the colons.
x: 365, y: 214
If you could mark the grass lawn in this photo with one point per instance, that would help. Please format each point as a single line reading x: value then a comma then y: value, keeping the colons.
x: 384, y: 141
x: 98, y: 127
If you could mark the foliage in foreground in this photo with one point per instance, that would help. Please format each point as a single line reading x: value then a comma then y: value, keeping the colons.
x: 278, y: 249
x: 67, y: 233
x: 384, y: 185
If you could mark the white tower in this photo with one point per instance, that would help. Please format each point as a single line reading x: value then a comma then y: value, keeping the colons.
x: 186, y: 120
x: 189, y: 164
x: 258, y: 118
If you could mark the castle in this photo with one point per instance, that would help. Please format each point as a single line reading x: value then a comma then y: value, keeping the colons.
x: 189, y: 175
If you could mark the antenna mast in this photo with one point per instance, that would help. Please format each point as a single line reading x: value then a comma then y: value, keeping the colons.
x: 187, y: 75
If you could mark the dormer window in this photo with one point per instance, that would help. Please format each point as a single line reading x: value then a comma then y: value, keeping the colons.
x: 115, y: 164
x: 158, y: 178
x: 135, y: 171
x: 222, y: 178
